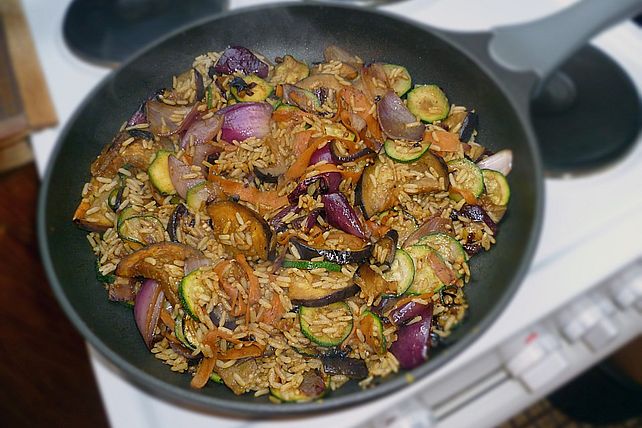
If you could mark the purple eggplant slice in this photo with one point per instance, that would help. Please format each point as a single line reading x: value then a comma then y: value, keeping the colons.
x: 304, y: 293
x: 224, y: 217
x: 341, y: 257
x: 351, y: 367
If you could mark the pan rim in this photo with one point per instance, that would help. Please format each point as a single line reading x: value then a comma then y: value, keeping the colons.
x: 174, y: 394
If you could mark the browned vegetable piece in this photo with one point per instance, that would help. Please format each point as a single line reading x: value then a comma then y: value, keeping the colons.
x: 289, y: 71
x: 302, y: 292
x: 334, y: 52
x: 376, y: 190
x: 436, y: 178
x: 372, y: 284
x: 245, y: 370
x: 453, y: 119
x: 225, y: 221
x: 150, y: 262
x: 116, y: 155
x: 97, y: 221
x: 317, y: 81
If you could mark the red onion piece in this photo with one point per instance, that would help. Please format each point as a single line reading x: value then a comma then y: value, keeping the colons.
x: 329, y: 184
x: 158, y: 112
x: 147, y: 309
x: 185, y: 124
x: 433, y: 224
x: 193, y: 263
x: 202, y: 152
x: 337, y: 158
x: 502, y: 161
x: 413, y: 341
x: 244, y: 120
x: 404, y: 313
x: 239, y: 58
x: 395, y: 119
x: 277, y: 221
x: 201, y: 131
x: 138, y: 117
x: 477, y: 213
x: 341, y: 215
x: 321, y: 155
x: 177, y: 170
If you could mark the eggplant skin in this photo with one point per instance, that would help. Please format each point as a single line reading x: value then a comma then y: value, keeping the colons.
x: 224, y: 221
x: 314, y: 301
x: 341, y: 257
x: 352, y: 367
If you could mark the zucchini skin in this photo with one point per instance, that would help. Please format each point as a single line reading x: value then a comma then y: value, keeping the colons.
x: 306, y: 320
x: 429, y: 103
x: 158, y: 172
x: 392, y: 149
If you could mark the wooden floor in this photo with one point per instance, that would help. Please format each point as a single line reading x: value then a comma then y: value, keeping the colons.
x: 45, y: 377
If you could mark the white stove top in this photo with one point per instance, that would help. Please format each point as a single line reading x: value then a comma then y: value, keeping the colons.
x: 579, y: 249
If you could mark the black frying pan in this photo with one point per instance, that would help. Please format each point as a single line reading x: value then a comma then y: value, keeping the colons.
x: 461, y: 64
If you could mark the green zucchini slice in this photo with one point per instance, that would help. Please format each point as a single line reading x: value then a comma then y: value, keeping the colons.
x: 312, y: 326
x: 426, y: 279
x: 398, y: 77
x: 189, y: 289
x: 140, y: 229
x: 158, y: 172
x: 309, y: 265
x: 447, y: 246
x: 468, y: 177
x: 372, y: 328
x: 258, y: 89
x: 402, y: 270
x: 405, y: 151
x: 428, y: 103
x: 497, y: 187
x: 182, y: 333
x: 197, y: 196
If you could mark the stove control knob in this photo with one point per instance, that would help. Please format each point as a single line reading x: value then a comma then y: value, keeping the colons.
x: 534, y: 357
x: 626, y: 288
x: 589, y: 319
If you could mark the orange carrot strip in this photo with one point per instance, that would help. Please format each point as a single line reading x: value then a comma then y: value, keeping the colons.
x: 275, y: 313
x: 467, y: 195
x: 203, y: 373
x: 167, y: 318
x: 254, y: 293
x: 354, y: 176
x: 269, y: 199
x: 251, y: 350
x: 443, y: 140
x: 301, y: 141
x: 297, y: 169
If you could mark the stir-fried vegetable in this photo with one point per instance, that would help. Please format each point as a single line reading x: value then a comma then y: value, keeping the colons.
x: 285, y: 227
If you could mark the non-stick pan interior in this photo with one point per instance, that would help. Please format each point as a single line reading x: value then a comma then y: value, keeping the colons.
x: 302, y: 31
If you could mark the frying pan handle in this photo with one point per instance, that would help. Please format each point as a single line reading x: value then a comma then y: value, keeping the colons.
x: 541, y: 46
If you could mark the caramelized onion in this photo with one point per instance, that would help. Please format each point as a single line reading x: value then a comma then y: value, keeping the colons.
x: 396, y: 121
x: 147, y: 309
